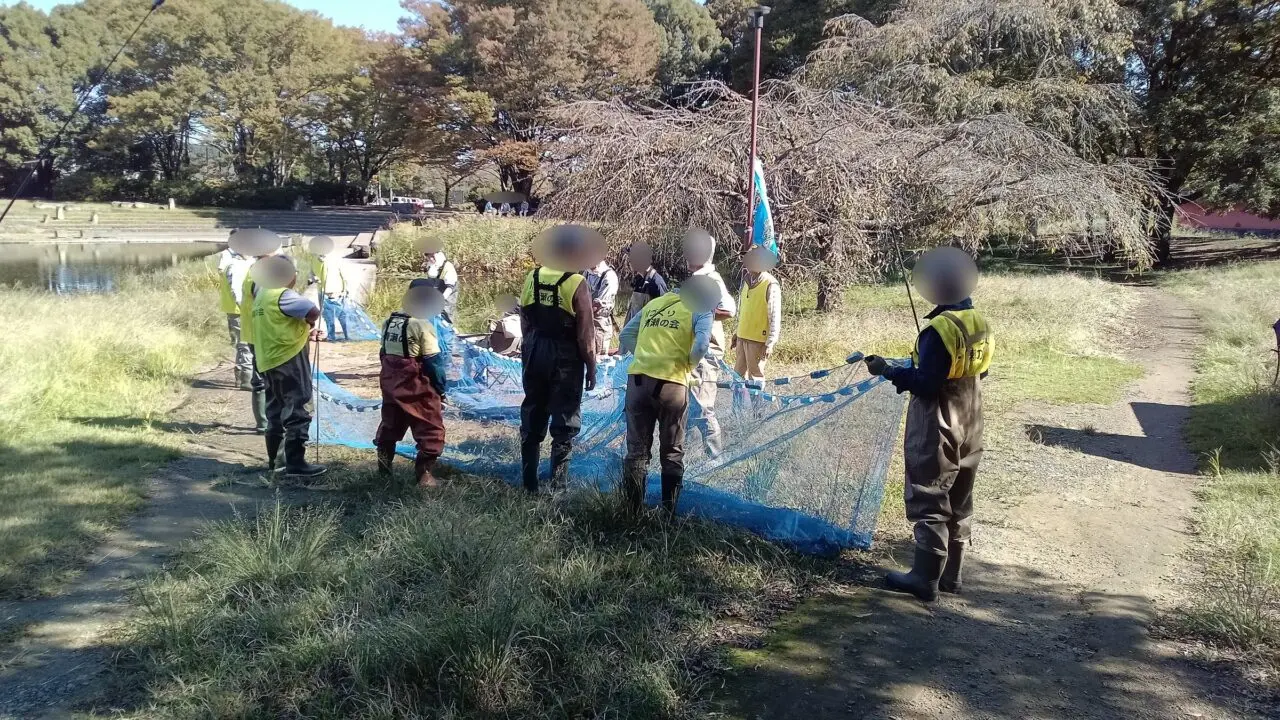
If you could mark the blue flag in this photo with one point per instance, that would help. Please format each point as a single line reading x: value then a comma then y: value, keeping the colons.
x: 762, y: 232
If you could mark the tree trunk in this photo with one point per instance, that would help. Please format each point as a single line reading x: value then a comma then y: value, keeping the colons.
x: 516, y: 179
x: 448, y: 193
x: 1162, y: 231
x: 830, y: 293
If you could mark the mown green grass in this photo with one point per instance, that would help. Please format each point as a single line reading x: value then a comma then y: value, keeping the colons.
x: 83, y: 376
x: 472, y: 603
x: 1235, y: 425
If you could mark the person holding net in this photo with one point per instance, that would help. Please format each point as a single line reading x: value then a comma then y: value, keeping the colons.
x: 943, y: 443
x: 559, y: 347
x: 413, y: 384
x: 669, y: 337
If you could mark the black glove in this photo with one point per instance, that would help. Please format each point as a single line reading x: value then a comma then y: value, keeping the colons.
x: 876, y: 365
x: 591, y: 382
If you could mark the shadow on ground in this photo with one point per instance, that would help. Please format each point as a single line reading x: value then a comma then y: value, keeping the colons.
x: 1018, y: 644
x: 1147, y: 450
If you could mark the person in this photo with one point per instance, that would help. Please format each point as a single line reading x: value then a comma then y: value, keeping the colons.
x: 558, y: 349
x: 232, y: 269
x: 602, y: 281
x: 283, y: 323
x: 413, y: 383
x: 524, y: 208
x: 488, y: 208
x: 699, y: 250
x: 257, y: 384
x: 760, y: 319
x: 647, y: 284
x: 669, y: 337
x: 506, y: 333
x: 505, y: 209
x: 443, y: 276
x: 943, y: 441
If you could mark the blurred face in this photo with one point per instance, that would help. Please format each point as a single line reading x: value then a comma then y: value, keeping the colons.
x: 322, y: 245
x: 274, y: 272
x: 423, y: 303
x: 640, y: 257
x: 759, y: 260
x: 700, y: 294
x: 945, y: 275
x: 698, y: 248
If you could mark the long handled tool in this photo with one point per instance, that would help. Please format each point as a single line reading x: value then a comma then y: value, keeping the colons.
x: 315, y: 393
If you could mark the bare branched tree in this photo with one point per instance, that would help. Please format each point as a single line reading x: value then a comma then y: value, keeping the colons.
x: 852, y: 182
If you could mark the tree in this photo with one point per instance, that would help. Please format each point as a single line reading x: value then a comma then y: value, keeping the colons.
x: 46, y: 63
x: 1206, y: 76
x: 522, y: 56
x: 690, y: 44
x: 852, y: 181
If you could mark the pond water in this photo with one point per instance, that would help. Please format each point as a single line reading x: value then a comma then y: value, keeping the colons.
x: 66, y: 268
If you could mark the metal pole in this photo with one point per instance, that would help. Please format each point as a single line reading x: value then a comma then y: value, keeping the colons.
x: 757, y: 23
x: 57, y: 139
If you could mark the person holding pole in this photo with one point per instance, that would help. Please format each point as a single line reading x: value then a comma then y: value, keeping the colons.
x: 760, y: 319
x: 942, y: 445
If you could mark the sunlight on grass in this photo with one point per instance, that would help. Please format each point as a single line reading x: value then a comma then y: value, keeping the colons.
x: 1235, y: 424
x: 67, y: 476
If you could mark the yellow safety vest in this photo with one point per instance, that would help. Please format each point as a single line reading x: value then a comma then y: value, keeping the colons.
x: 401, y: 333
x: 666, y: 338
x: 968, y: 340
x: 277, y: 337
x: 753, y: 316
x: 226, y: 298
x: 246, y: 308
x: 547, y: 300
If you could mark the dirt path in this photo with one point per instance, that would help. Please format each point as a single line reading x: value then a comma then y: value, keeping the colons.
x: 1063, y: 585
x: 61, y: 656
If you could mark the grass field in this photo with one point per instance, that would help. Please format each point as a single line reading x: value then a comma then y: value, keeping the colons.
x: 83, y: 377
x: 475, y: 603
x: 1235, y: 425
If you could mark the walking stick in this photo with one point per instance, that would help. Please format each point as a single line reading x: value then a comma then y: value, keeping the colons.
x: 315, y: 389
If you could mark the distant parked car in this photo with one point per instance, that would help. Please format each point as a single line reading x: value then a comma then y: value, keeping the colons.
x: 410, y: 205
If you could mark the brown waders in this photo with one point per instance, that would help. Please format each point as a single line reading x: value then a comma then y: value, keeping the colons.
x: 942, y: 449
x: 664, y: 404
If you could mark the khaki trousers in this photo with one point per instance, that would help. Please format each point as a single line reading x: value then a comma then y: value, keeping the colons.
x: 750, y: 362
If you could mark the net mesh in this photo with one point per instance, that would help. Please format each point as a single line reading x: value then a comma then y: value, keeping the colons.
x: 349, y: 316
x: 803, y: 459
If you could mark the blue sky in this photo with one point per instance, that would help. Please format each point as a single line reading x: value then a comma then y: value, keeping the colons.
x: 371, y: 14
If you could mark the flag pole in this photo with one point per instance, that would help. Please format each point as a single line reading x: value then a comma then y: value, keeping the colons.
x: 757, y: 24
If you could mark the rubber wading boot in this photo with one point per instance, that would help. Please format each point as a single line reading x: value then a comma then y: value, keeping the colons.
x: 422, y: 468
x: 922, y: 581
x: 385, y: 458
x: 560, y: 466
x: 952, y: 580
x: 273, y: 453
x: 244, y: 379
x: 671, y: 485
x: 295, y: 460
x: 633, y: 482
x: 260, y: 410
x: 530, y: 454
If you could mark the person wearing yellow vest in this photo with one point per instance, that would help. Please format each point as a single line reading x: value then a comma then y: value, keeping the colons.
x: 668, y: 337
x: 413, y: 382
x: 232, y: 270
x: 248, y: 290
x: 943, y: 443
x: 759, y: 315
x: 558, y: 350
x: 283, y: 323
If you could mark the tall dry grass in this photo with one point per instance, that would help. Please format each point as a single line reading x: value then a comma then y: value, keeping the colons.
x: 1235, y: 425
x: 81, y: 378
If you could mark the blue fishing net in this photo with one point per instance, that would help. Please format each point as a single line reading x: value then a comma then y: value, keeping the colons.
x: 803, y: 459
x: 346, y: 320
